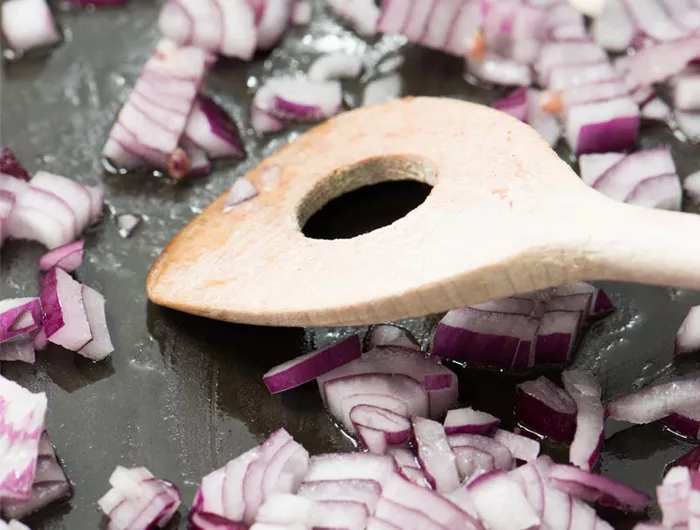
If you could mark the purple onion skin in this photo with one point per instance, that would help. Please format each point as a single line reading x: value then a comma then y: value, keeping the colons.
x: 602, y: 305
x: 691, y: 460
x: 540, y: 419
x: 10, y: 165
x: 553, y: 349
x: 682, y: 425
x: 618, y: 134
x: 476, y: 348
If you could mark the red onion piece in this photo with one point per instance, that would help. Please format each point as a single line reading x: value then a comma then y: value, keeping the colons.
x: 691, y: 185
x: 302, y: 12
x: 138, y: 501
x: 389, y: 335
x: 287, y: 509
x: 472, y: 462
x: 262, y: 122
x: 514, y: 103
x: 521, y: 447
x: 657, y: 63
x: 23, y: 420
x: 592, y: 93
x: 100, y: 346
x: 96, y: 202
x: 565, y: 54
x: 44, y: 217
x: 211, y: 129
x: 546, y: 409
x: 525, y: 104
x: 408, y: 466
x: 337, y: 65
x: 50, y: 484
x: 366, y: 492
x: 382, y: 401
x: 40, y: 342
x: 487, y: 493
x: 227, y: 28
x: 21, y: 349
x: 602, y: 126
x: 401, y: 386
x: 673, y: 494
x: 439, y: 382
x: 653, y: 21
x: 655, y: 110
x: 361, y: 15
x: 557, y: 335
x: 688, y: 123
x: 655, y: 402
x: 308, y: 367
x: 499, y: 70
x: 276, y: 16
x: 19, y: 316
x: 406, y: 518
x: 127, y: 223
x: 149, y: 126
x: 470, y: 421
x: 686, y: 86
x: 66, y: 320
x: 350, y: 466
x: 438, y: 509
x: 28, y: 24
x: 10, y: 164
x: 684, y: 422
x: 590, y: 416
x: 67, y: 257
x: 611, y: 493
x: 435, y: 455
x: 503, y: 458
x: 299, y: 99
x: 646, y: 178
x: 70, y: 191
x: 241, y: 191
x: 378, y: 428
x: 382, y: 89
x: 688, y: 335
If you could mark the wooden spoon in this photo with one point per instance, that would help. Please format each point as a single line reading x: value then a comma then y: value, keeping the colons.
x: 505, y: 216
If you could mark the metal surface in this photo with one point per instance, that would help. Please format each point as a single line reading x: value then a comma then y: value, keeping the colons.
x: 182, y: 395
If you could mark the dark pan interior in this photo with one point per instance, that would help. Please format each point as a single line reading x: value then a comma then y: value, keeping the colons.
x: 182, y: 395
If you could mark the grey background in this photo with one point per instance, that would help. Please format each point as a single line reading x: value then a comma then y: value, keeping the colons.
x: 182, y: 395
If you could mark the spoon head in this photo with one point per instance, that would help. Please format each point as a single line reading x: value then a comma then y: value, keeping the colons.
x: 501, y: 218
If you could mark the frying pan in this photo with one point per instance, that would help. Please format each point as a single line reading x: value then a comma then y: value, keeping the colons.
x: 182, y: 395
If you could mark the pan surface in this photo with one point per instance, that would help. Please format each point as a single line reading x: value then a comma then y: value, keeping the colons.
x: 182, y: 395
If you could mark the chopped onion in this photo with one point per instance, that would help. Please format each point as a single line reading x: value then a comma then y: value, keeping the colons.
x: 100, y: 346
x: 546, y: 409
x: 299, y: 99
x: 378, y: 428
x: 337, y: 65
x: 590, y: 416
x: 653, y: 21
x: 127, y: 223
x: 495, y: 69
x: 688, y: 123
x: 470, y: 421
x: 472, y: 462
x: 273, y: 21
x: 610, y: 492
x: 361, y: 15
x: 686, y: 87
x: 488, y: 492
x: 655, y: 402
x: 241, y: 191
x: 657, y: 63
x: 350, y: 466
x: 366, y: 492
x: 567, y: 54
x: 67, y: 257
x: 66, y: 320
x: 382, y: 89
x: 44, y: 217
x: 600, y: 127
x: 18, y: 317
x: 521, y: 447
x: 673, y: 495
x: 503, y: 458
x: 10, y: 164
x: 401, y: 386
x: 308, y: 367
x: 383, y: 401
x: 684, y: 422
x: 50, y: 484
x: 21, y: 349
x: 389, y: 335
x: 262, y: 122
x: 514, y: 103
x: 302, y: 12
x: 227, y: 27
x: 656, y: 110
x: 211, y: 129
x: 435, y: 455
x: 28, y: 24
x: 688, y: 335
x: 23, y: 416
x: 437, y: 381
x: 647, y: 178
x: 138, y: 501
x: 73, y: 193
x: 151, y: 122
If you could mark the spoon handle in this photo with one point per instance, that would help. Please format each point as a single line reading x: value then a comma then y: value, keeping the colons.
x: 644, y: 245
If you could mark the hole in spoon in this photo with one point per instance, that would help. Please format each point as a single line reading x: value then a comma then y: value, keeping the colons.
x: 366, y: 196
